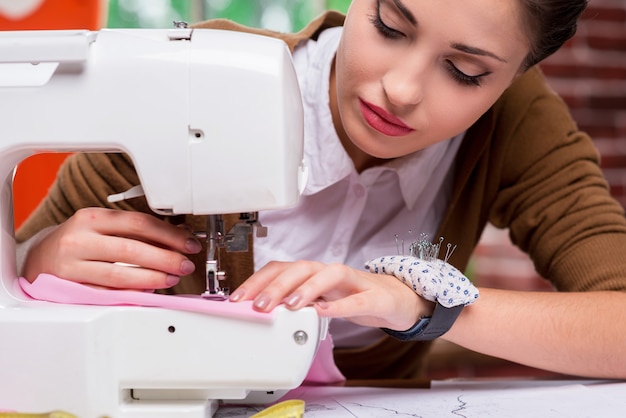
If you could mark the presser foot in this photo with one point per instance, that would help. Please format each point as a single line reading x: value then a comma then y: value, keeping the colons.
x: 219, y: 295
x: 213, y: 276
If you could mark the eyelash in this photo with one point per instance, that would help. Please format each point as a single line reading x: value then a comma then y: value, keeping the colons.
x: 390, y: 33
x: 461, y: 77
x: 383, y: 29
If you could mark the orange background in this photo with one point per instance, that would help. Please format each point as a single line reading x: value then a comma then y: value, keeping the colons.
x: 36, y: 173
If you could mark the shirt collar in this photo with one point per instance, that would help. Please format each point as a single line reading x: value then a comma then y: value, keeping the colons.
x: 415, y: 170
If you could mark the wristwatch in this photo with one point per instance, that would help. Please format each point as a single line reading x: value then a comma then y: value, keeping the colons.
x: 429, y: 327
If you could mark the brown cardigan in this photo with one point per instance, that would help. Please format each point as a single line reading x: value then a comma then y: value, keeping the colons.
x: 523, y: 165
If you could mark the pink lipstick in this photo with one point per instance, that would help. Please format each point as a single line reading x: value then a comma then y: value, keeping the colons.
x: 383, y: 121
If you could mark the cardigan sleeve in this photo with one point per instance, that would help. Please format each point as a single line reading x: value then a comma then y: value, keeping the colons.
x: 552, y: 194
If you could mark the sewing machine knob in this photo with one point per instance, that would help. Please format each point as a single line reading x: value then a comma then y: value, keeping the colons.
x: 300, y: 337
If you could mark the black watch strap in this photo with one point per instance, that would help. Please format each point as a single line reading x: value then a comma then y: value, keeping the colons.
x: 430, y: 327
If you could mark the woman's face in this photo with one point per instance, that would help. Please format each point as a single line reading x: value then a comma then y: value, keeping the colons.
x: 410, y: 73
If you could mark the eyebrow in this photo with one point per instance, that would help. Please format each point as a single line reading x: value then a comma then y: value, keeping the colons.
x: 476, y: 51
x: 460, y: 47
x: 406, y: 12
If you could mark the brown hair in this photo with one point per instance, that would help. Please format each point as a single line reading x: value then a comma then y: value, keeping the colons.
x: 549, y: 23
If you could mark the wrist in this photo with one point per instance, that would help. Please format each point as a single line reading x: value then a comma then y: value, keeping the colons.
x: 433, y: 280
x: 425, y: 309
x: 23, y: 257
x: 429, y: 327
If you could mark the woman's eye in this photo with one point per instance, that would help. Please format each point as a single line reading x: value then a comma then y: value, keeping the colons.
x: 382, y: 28
x: 465, y: 79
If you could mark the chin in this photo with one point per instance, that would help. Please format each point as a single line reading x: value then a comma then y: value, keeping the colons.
x: 379, y: 154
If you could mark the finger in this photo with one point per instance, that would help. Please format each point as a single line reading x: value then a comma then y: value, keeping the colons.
x: 139, y: 226
x: 352, y: 306
x: 274, y: 282
x: 305, y: 282
x: 121, y: 276
x: 129, y: 251
x: 370, y: 308
x: 92, y: 261
x: 251, y: 288
x: 332, y: 282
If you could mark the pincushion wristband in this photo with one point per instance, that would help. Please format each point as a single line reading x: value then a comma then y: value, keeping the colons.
x: 429, y: 327
x: 435, y: 280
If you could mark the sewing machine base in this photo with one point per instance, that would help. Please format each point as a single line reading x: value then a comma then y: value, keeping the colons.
x: 133, y: 362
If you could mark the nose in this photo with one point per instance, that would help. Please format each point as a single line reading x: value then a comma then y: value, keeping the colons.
x: 404, y: 84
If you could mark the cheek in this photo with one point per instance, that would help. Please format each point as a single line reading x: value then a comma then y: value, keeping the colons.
x: 351, y: 63
x: 349, y: 75
x: 359, y: 53
x: 358, y: 74
x: 454, y: 111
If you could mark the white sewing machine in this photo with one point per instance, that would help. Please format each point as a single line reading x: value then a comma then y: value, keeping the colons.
x: 213, y: 122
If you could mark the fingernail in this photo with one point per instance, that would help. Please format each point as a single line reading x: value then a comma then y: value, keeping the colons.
x: 293, y: 299
x: 193, y: 246
x: 261, y: 302
x: 171, y: 280
x: 185, y: 226
x: 236, y: 295
x: 187, y: 267
x: 322, y: 304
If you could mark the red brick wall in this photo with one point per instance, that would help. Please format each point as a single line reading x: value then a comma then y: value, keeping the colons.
x: 589, y: 72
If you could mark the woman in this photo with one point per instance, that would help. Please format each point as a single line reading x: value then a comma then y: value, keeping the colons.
x: 419, y: 115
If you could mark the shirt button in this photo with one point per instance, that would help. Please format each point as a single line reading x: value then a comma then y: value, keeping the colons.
x: 359, y: 191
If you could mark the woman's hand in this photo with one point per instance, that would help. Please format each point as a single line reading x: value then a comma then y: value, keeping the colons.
x: 335, y: 291
x: 102, y: 247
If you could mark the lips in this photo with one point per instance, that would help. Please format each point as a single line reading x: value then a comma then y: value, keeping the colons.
x: 382, y: 121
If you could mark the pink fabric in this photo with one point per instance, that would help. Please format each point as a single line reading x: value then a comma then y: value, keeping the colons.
x: 53, y: 289
x: 324, y: 370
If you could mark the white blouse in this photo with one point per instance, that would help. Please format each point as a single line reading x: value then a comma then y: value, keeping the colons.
x: 343, y: 216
